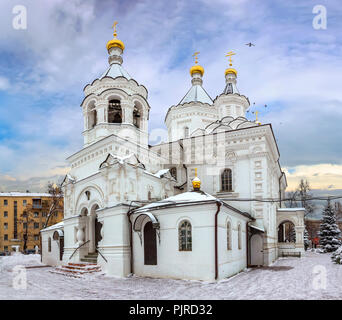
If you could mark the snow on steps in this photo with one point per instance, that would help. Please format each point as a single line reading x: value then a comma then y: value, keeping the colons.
x: 77, y: 270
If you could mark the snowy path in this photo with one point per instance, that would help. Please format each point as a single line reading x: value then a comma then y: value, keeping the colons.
x: 288, y: 278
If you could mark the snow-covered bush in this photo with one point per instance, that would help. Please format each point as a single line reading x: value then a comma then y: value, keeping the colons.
x: 337, y: 256
x: 329, y: 230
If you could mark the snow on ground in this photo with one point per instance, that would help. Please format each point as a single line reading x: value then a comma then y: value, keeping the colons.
x: 287, y: 278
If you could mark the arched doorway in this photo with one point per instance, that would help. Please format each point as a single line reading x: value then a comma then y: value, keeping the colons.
x: 287, y: 232
x: 94, y: 229
x: 150, y: 244
x: 257, y: 255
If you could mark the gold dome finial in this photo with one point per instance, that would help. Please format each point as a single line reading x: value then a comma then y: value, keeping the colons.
x: 115, y: 42
x: 196, y: 182
x: 230, y: 70
x: 196, y: 68
x: 256, y: 118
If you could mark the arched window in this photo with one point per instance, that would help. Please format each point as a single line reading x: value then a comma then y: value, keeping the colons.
x: 114, y: 111
x: 186, y: 132
x: 49, y: 244
x: 136, y: 117
x: 92, y: 118
x: 185, y: 236
x: 173, y: 172
x: 229, y: 236
x: 239, y: 236
x: 226, y: 180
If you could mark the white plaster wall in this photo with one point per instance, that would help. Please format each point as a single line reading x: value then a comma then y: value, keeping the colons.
x: 50, y: 258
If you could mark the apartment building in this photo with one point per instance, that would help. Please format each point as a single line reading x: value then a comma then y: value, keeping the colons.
x: 22, y: 216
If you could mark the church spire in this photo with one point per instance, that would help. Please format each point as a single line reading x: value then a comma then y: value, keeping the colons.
x: 196, y: 92
x: 115, y: 47
x: 230, y: 75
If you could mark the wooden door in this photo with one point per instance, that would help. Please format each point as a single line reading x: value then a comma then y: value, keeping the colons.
x: 257, y: 255
x: 150, y: 244
x: 61, y: 248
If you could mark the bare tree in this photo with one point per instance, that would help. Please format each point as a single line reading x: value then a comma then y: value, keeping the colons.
x: 55, y: 203
x: 26, y: 219
x: 305, y: 196
x: 292, y: 199
x: 48, y: 208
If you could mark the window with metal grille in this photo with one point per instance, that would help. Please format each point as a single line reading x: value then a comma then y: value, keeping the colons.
x: 185, y: 236
x: 226, y: 180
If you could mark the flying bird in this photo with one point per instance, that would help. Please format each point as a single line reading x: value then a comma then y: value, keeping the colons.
x: 250, y: 44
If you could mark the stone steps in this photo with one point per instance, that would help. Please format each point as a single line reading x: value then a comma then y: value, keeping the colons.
x: 76, y: 270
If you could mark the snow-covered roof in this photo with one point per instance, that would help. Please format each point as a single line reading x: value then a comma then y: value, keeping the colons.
x: 186, y: 197
x: 290, y: 209
x: 24, y: 194
x: 116, y: 70
x: 257, y: 228
x: 196, y: 94
x: 160, y: 173
x: 59, y: 225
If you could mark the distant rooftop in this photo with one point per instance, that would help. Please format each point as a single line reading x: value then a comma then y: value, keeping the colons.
x: 24, y: 194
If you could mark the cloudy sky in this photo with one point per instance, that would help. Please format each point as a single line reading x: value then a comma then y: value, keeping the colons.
x: 293, y: 68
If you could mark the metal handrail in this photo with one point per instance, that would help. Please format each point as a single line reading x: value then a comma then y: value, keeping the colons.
x: 101, y: 255
x: 78, y: 248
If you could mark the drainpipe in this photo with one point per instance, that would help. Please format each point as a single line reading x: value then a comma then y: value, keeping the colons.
x: 280, y: 189
x: 218, y: 203
x: 130, y: 239
x: 247, y: 243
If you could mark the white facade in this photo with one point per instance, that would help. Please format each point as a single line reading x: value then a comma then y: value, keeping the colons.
x: 117, y: 173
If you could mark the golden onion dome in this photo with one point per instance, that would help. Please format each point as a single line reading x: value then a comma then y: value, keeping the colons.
x: 196, y: 182
x: 197, y: 69
x: 115, y: 43
x: 231, y: 70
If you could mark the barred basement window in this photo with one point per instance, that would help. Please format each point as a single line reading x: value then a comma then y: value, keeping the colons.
x: 229, y: 236
x: 185, y: 236
x: 226, y: 180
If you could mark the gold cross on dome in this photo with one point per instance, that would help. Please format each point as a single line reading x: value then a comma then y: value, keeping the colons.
x: 196, y: 58
x: 230, y: 54
x: 114, y: 27
x: 256, y: 118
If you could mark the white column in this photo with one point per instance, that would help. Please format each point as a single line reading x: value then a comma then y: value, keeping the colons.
x: 91, y: 228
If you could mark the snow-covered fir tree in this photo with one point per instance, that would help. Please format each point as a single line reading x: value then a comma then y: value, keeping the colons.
x: 329, y: 231
x: 306, y: 239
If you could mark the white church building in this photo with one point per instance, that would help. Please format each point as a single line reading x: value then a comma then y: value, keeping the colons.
x: 204, y: 205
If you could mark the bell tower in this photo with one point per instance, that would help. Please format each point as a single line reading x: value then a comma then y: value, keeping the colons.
x: 115, y: 103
